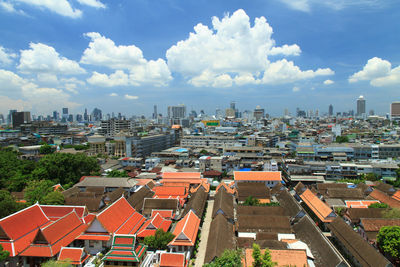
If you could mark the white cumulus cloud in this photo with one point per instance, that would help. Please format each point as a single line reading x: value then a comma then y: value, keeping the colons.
x: 131, y: 97
x: 379, y: 72
x: 61, y: 7
x: 41, y: 58
x: 306, y: 5
x: 113, y: 94
x: 296, y: 89
x: 234, y: 51
x: 328, y: 82
x: 6, y: 58
x: 92, y: 3
x: 104, y: 52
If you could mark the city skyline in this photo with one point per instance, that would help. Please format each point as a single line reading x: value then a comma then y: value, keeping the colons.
x: 115, y: 56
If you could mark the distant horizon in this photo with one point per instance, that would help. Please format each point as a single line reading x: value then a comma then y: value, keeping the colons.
x: 127, y: 56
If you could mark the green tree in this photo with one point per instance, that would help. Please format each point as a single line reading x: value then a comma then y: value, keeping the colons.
x: 3, y: 254
x: 46, y: 149
x: 342, y: 139
x: 229, y: 258
x: 262, y: 260
x: 378, y: 205
x: 37, y: 190
x: 8, y: 205
x: 371, y: 177
x: 388, y: 240
x: 53, y: 198
x: 393, y: 213
x: 251, y: 201
x: 116, y: 173
x: 160, y: 240
x: 65, y: 168
x: 203, y: 152
x: 54, y: 263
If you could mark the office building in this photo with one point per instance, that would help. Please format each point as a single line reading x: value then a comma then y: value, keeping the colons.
x: 65, y: 114
x: 177, y: 112
x: 97, y: 115
x: 330, y: 112
x: 259, y: 113
x: 109, y: 128
x: 19, y: 118
x: 395, y: 111
x: 155, y: 115
x: 361, y: 106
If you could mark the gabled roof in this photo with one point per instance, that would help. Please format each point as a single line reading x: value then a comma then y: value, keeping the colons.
x: 386, y: 188
x: 224, y: 186
x: 283, y: 257
x: 323, y: 212
x: 355, y: 214
x: 55, y: 212
x: 152, y: 225
x: 344, y: 193
x: 150, y: 204
x: 170, y: 191
x: 116, y: 194
x: 221, y: 237
x: 186, y: 230
x: 264, y: 223
x: 124, y: 249
x: 117, y: 216
x: 321, y: 248
x: 107, y: 182
x: 205, y: 185
x: 72, y: 255
x: 255, y: 189
x: 197, y: 203
x: 359, y: 203
x: 257, y: 176
x: 137, y: 198
x: 382, y: 197
x: 260, y: 210
x: 397, y: 195
x: 51, y: 238
x: 167, y: 214
x: 375, y: 224
x: 223, y: 203
x: 93, y: 204
x: 169, y: 259
x: 181, y: 175
x: 365, y: 254
x: 287, y: 201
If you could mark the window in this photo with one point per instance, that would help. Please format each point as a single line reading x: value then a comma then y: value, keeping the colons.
x: 92, y: 243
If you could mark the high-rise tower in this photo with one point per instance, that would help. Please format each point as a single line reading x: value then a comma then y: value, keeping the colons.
x: 361, y: 106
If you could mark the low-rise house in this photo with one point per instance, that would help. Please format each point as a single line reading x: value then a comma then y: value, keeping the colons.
x: 353, y: 215
x: 197, y: 203
x: 75, y: 256
x: 170, y: 204
x: 118, y: 218
x: 223, y: 204
x: 193, y: 178
x: 185, y: 233
x: 249, y: 226
x: 152, y: 225
x: 137, y: 198
x: 270, y: 178
x: 320, y: 209
x: 355, y: 247
x: 385, y: 188
x: 257, y: 190
x: 384, y: 198
x: 108, y: 184
x: 170, y: 259
x: 359, y: 203
x: 283, y: 257
x: 369, y: 227
x: 220, y: 238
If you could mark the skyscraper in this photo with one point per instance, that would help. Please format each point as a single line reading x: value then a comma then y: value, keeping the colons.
x: 395, y: 111
x: 361, y: 106
x: 330, y: 112
x: 19, y: 118
x: 177, y: 112
x: 155, y: 115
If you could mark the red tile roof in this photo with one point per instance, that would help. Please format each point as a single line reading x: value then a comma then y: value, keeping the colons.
x: 257, y: 176
x: 73, y: 255
x: 323, y: 212
x: 359, y: 203
x: 170, y: 191
x: 124, y: 249
x: 55, y: 212
x: 397, y: 195
x: 172, y: 259
x: 382, y: 197
x: 150, y: 226
x: 167, y: 214
x: 375, y: 224
x: 283, y: 257
x: 186, y: 230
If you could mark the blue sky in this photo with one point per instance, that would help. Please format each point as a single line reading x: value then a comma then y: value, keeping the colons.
x: 127, y: 55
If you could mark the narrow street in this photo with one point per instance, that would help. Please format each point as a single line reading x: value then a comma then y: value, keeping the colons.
x: 204, y: 235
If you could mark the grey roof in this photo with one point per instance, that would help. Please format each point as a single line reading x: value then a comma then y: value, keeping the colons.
x: 197, y: 203
x: 365, y: 254
x: 124, y: 182
x: 323, y: 251
x: 287, y: 201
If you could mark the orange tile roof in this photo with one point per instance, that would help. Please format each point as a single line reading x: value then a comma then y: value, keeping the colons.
x: 72, y: 255
x: 20, y: 230
x: 115, y: 215
x: 167, y: 214
x: 283, y: 257
x: 150, y: 226
x: 94, y: 236
x: 173, y: 191
x: 359, y: 203
x: 323, y: 212
x: 172, y: 259
x: 382, y: 197
x: 257, y: 176
x: 397, y: 195
x: 132, y: 224
x: 181, y: 175
x: 186, y: 230
x: 227, y: 188
x: 179, y: 181
x: 54, y: 212
x: 203, y: 184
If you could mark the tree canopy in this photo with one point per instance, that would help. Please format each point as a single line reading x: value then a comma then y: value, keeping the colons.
x: 378, y: 205
x: 46, y: 149
x: 160, y: 240
x: 116, y: 173
x: 393, y: 213
x: 53, y: 198
x: 229, y: 258
x: 36, y: 191
x: 342, y: 139
x: 388, y: 240
x: 8, y: 205
x: 3, y: 254
x: 262, y: 260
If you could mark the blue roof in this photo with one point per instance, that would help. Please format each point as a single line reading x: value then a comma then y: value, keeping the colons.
x: 181, y: 150
x: 245, y: 170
